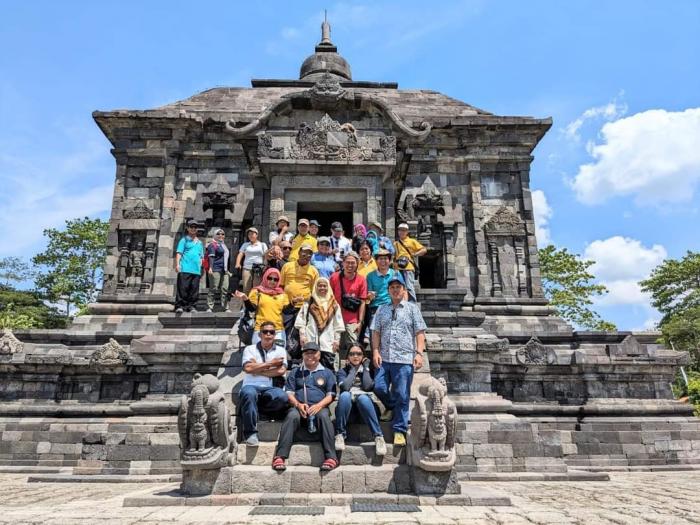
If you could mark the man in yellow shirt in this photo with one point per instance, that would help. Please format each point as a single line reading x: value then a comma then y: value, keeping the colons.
x: 302, y: 237
x: 407, y: 251
x: 298, y: 277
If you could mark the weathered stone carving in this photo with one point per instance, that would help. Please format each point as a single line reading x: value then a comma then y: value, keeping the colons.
x: 139, y: 211
x: 109, y: 354
x: 218, y: 199
x: 505, y: 222
x: 203, y: 425
x: 327, y: 92
x: 433, y: 421
x: 534, y: 353
x: 9, y: 344
x: 135, y: 263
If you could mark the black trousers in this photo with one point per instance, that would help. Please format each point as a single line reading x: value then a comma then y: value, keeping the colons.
x: 187, y: 290
x: 325, y: 431
x: 366, y: 322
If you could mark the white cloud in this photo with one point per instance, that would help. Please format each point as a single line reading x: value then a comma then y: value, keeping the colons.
x: 620, y: 263
x: 543, y: 212
x: 43, y: 188
x: 610, y: 111
x: 653, y: 155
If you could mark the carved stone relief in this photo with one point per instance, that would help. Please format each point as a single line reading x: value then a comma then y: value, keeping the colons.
x: 505, y: 237
x: 139, y: 211
x: 433, y: 423
x: 9, y: 344
x: 534, y: 353
x: 136, y: 261
x: 109, y: 354
x: 203, y: 425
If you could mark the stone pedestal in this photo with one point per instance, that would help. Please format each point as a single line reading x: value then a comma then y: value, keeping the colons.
x: 428, y: 483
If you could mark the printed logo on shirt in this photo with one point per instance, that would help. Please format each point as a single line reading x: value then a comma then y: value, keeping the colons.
x: 320, y: 381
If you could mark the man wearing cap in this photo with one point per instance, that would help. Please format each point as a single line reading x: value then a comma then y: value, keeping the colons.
x: 310, y: 389
x: 282, y: 232
x: 297, y: 279
x: 340, y: 245
x: 302, y: 237
x: 398, y: 344
x: 261, y: 363
x: 218, y: 256
x: 350, y: 291
x: 383, y: 241
x: 378, y: 287
x: 314, y: 226
x: 188, y: 265
x: 323, y: 260
x: 407, y: 252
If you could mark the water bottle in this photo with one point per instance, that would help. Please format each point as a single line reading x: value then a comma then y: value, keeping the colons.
x: 312, y: 424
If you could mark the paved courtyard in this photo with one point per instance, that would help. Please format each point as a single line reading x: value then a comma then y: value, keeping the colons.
x: 663, y: 498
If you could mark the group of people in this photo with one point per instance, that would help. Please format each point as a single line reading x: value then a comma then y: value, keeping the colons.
x: 315, y: 300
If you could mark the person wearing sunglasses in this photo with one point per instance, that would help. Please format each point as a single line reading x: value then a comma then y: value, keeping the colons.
x: 218, y: 256
x: 264, y: 364
x: 356, y: 396
x: 188, y: 265
x: 267, y: 301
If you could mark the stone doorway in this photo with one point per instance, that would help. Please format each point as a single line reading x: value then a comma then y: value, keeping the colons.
x: 326, y: 213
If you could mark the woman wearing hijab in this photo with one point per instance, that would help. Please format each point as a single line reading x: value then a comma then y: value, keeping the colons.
x: 320, y: 320
x: 267, y: 300
x: 373, y: 240
x: 359, y: 237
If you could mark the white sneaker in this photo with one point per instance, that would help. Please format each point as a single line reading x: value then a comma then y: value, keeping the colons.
x: 380, y: 446
x: 209, y: 311
x: 252, y: 440
x: 339, y: 442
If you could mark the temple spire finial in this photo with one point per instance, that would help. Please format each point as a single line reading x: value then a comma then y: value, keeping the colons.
x: 325, y: 29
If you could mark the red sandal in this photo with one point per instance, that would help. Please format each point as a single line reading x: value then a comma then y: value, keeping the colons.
x: 278, y: 464
x: 330, y: 464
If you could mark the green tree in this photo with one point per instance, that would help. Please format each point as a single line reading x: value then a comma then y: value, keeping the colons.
x: 674, y: 286
x: 27, y: 309
x: 569, y: 286
x: 14, y: 270
x: 71, y: 265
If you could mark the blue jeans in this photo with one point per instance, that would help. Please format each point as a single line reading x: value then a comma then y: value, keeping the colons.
x: 364, y: 405
x: 392, y: 385
x: 270, y: 398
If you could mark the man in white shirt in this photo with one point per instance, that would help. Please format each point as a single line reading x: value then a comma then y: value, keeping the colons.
x: 261, y: 363
x: 340, y: 245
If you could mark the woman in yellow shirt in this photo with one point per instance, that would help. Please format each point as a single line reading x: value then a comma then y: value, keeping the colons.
x: 268, y: 300
x: 367, y: 263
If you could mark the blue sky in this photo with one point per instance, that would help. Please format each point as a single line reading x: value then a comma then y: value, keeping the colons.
x: 617, y: 176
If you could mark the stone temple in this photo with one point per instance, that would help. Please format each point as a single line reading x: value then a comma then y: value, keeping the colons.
x: 531, y: 395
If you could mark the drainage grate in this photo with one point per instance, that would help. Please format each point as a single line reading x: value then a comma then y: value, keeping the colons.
x: 287, y: 511
x: 383, y: 507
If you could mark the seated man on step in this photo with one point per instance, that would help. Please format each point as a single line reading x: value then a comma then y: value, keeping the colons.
x: 310, y: 388
x: 264, y: 364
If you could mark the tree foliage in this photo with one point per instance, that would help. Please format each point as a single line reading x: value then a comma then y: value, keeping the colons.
x: 71, y: 264
x: 27, y: 309
x: 569, y: 286
x: 674, y: 286
x: 14, y: 270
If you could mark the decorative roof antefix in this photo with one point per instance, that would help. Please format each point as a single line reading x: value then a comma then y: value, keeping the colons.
x: 9, y: 344
x: 140, y: 210
x: 504, y: 222
x: 109, y: 354
x: 327, y: 94
x: 535, y: 353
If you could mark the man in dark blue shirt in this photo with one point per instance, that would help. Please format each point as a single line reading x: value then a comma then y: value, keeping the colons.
x: 310, y: 389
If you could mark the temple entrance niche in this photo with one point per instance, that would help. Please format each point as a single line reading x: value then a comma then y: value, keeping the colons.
x: 328, y: 213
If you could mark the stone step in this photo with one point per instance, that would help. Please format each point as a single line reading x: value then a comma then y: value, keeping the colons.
x: 311, y: 454
x: 357, y: 432
x: 348, y: 479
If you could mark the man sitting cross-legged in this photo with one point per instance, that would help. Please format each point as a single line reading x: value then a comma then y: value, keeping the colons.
x: 262, y: 363
x: 311, y: 388
x: 355, y: 386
